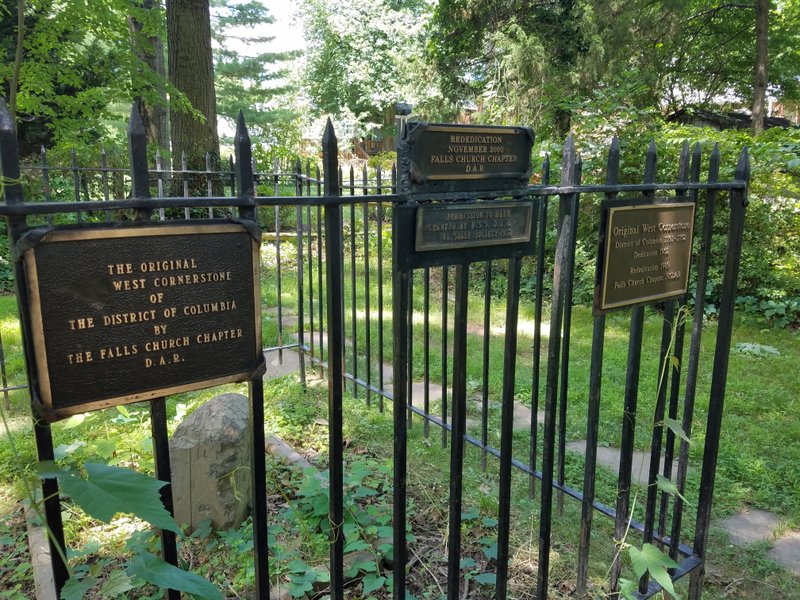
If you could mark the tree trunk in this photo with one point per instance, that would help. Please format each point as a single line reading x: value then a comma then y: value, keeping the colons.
x: 12, y: 95
x: 760, y: 84
x: 191, y: 71
x: 151, y: 52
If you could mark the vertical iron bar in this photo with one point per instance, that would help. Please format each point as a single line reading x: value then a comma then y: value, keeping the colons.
x: 738, y: 203
x: 158, y: 428
x: 46, y: 182
x: 677, y: 352
x: 185, y: 177
x: 276, y: 191
x: 445, y: 288
x: 400, y: 301
x: 380, y: 295
x: 353, y: 314
x: 160, y: 187
x: 367, y: 315
x: 426, y: 332
x: 106, y: 190
x: 487, y: 324
x: 565, y: 342
x: 628, y: 433
x: 259, y: 483
x: 321, y: 293
x: 300, y: 276
x: 507, y: 425
x: 593, y: 417
x: 568, y: 164
x: 703, y: 257
x: 76, y: 183
x: 631, y: 399
x: 537, y: 331
x: 309, y: 241
x: 458, y: 432
x: 9, y: 168
x: 410, y: 382
x: 333, y: 241
x: 3, y: 375
x: 246, y: 194
x: 210, y: 184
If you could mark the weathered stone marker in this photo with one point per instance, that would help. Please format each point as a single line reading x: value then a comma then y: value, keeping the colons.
x: 210, y: 458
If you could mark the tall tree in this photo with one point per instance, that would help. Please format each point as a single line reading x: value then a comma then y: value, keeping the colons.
x: 146, y: 29
x: 760, y: 84
x: 249, y: 77
x: 191, y: 71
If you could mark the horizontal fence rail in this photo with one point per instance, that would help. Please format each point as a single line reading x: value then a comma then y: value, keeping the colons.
x: 327, y: 258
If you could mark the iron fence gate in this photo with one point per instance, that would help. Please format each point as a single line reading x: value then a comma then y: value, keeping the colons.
x: 347, y: 336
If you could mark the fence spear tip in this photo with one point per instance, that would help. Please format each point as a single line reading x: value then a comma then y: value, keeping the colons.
x: 330, y: 135
x: 135, y: 123
x: 743, y: 166
x: 242, y: 134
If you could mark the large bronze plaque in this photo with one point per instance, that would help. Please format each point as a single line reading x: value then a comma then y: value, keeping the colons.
x: 646, y: 253
x: 447, y: 226
x: 123, y: 315
x: 464, y: 157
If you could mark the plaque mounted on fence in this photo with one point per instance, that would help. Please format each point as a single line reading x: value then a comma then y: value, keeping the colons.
x: 121, y: 315
x: 451, y: 158
x: 645, y: 253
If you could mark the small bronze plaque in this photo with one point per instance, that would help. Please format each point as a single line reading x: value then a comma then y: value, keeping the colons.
x: 464, y: 157
x: 123, y: 315
x: 646, y: 253
x: 448, y: 226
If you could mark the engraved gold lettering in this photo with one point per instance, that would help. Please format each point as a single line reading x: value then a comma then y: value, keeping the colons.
x: 86, y: 323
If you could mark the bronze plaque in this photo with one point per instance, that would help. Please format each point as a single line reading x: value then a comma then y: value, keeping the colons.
x: 464, y: 157
x: 449, y: 226
x: 123, y: 315
x: 646, y: 254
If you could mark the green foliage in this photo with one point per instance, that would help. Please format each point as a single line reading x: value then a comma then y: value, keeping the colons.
x: 363, y: 58
x: 254, y: 83
x: 108, y: 490
x: 78, y: 62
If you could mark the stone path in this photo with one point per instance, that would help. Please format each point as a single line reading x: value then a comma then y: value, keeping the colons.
x: 748, y: 527
x: 753, y: 525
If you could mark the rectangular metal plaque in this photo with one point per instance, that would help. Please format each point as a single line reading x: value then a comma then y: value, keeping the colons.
x: 646, y: 253
x: 475, y: 225
x: 435, y: 157
x: 123, y: 315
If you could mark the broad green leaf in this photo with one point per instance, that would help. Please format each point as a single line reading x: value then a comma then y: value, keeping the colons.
x: 467, y: 563
x: 117, y: 583
x: 111, y: 490
x: 676, y: 428
x: 470, y: 515
x: 638, y: 560
x: 486, y: 579
x: 75, y: 589
x: 651, y: 559
x: 164, y: 575
x: 491, y: 551
x: 668, y: 486
x: 105, y: 448
x: 74, y: 421
x: 372, y: 583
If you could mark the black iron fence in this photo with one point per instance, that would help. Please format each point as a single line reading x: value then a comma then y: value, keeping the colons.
x: 328, y: 248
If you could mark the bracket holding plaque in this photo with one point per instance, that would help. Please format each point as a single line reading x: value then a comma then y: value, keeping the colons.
x: 451, y: 158
x: 644, y: 254
x: 122, y: 315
